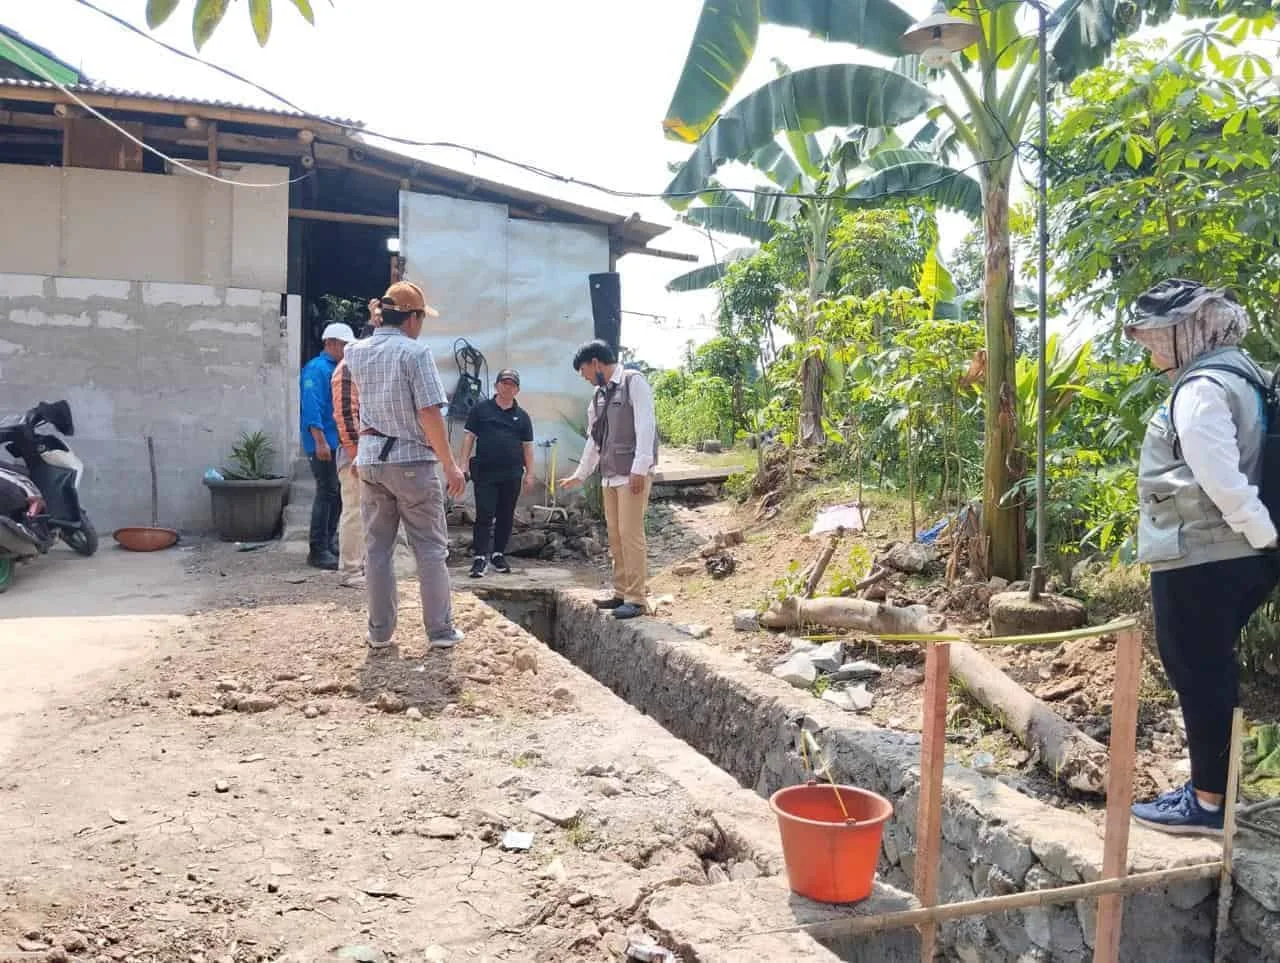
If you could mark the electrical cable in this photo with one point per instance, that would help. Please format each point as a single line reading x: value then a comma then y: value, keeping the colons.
x: 35, y: 68
x: 473, y: 376
x: 530, y: 168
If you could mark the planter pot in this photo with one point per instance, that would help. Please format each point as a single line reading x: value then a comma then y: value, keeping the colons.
x: 247, y: 511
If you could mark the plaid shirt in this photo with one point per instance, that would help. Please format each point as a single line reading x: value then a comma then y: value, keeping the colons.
x: 396, y: 377
x: 346, y: 412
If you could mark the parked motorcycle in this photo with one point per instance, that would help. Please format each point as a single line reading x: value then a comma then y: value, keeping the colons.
x: 45, y: 460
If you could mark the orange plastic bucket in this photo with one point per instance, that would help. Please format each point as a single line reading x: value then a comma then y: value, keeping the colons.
x: 830, y: 859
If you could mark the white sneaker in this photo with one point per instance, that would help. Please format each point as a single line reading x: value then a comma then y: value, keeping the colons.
x: 446, y: 640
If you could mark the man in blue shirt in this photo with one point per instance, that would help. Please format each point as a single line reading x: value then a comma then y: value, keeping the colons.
x: 320, y: 443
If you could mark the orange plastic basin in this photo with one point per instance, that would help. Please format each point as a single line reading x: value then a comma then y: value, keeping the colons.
x: 829, y: 859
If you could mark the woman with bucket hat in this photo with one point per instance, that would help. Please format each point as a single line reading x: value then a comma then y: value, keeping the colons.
x: 1203, y: 527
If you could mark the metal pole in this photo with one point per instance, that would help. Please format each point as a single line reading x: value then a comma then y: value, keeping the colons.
x: 1042, y: 225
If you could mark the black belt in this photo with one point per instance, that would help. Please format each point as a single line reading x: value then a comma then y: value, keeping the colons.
x: 390, y: 442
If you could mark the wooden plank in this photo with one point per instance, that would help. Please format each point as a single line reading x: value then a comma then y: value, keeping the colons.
x: 211, y: 133
x: 1115, y: 848
x: 341, y: 217
x: 1226, y: 882
x: 933, y: 746
x: 680, y: 477
x: 991, y: 905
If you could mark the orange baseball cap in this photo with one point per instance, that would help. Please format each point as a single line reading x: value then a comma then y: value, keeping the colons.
x: 407, y: 296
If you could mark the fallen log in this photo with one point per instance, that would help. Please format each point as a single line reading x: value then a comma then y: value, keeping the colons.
x: 1061, y: 749
x: 844, y: 613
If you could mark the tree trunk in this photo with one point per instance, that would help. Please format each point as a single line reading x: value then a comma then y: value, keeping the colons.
x: 1000, y: 397
x: 813, y: 371
x: 813, y: 374
x: 842, y: 613
x: 1061, y: 749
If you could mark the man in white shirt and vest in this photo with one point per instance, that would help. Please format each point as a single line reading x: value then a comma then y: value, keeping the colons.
x: 622, y: 441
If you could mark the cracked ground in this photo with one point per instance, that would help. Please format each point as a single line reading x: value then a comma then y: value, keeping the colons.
x: 243, y: 784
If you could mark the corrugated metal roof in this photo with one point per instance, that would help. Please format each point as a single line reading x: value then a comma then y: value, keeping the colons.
x: 104, y: 90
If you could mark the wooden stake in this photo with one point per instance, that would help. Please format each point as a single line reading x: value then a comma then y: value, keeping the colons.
x: 820, y: 567
x: 1115, y: 850
x: 1226, y: 883
x: 990, y: 905
x: 933, y: 745
x: 212, y: 132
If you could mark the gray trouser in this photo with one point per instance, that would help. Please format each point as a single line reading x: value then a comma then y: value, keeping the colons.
x: 414, y: 495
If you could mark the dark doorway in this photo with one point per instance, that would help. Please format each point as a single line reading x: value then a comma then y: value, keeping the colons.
x: 346, y: 262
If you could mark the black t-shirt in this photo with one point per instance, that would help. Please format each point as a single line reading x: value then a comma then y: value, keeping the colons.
x: 500, y: 437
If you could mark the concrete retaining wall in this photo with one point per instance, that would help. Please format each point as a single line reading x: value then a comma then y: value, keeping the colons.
x: 192, y: 365
x: 995, y: 840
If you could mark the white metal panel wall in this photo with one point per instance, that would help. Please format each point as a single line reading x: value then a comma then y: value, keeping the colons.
x: 517, y: 290
x: 549, y: 315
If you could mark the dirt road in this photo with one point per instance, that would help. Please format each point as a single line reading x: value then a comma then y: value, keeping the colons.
x: 200, y: 765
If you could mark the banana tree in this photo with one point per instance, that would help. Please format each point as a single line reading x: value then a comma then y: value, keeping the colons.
x: 810, y: 186
x: 996, y: 83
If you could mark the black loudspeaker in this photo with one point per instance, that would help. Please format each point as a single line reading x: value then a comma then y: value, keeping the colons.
x: 606, y: 306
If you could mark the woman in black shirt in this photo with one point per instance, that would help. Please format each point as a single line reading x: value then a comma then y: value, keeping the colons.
x: 500, y: 433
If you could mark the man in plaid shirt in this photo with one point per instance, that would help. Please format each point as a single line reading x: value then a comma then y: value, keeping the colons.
x: 403, y: 438
x: 346, y: 413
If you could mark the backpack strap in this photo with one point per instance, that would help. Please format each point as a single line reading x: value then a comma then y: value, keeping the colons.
x: 1254, y: 378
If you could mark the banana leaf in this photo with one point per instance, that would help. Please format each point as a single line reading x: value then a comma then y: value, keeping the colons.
x: 832, y: 95
x: 725, y: 40
x: 913, y: 173
x: 699, y: 279
x: 731, y: 220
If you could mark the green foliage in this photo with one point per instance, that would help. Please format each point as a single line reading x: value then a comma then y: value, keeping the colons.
x: 844, y: 576
x: 1167, y: 169
x: 1259, y: 651
x: 252, y: 457
x: 692, y: 407
x: 207, y: 15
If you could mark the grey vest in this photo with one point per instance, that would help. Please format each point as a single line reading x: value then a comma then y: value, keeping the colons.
x: 1178, y: 524
x: 613, y: 404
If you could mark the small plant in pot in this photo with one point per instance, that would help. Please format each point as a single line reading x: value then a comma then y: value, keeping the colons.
x: 248, y: 498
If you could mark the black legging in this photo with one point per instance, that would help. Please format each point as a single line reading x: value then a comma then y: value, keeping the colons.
x: 495, y: 512
x: 1200, y: 612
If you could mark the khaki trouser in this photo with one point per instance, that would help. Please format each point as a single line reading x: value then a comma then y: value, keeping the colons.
x: 350, y: 525
x: 624, y: 516
x: 412, y: 494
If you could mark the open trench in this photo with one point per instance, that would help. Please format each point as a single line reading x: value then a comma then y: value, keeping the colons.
x: 995, y: 840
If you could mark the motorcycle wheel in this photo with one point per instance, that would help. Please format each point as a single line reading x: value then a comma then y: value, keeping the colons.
x: 6, y: 573
x: 82, y: 540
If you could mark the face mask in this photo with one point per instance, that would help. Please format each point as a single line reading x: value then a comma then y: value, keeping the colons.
x: 600, y: 379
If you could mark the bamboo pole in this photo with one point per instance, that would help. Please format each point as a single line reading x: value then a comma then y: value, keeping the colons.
x: 933, y: 744
x: 990, y: 905
x: 1115, y: 848
x: 1226, y: 882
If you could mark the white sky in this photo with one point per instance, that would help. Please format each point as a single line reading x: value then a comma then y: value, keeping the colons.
x: 576, y: 86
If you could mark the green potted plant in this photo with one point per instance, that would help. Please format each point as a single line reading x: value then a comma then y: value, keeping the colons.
x: 248, y: 498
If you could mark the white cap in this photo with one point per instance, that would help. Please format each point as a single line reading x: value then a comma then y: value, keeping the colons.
x: 338, y: 332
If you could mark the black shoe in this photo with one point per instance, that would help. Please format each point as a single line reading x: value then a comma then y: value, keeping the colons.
x: 610, y: 603
x: 499, y: 563
x: 325, y: 560
x: 478, y: 567
x: 628, y: 610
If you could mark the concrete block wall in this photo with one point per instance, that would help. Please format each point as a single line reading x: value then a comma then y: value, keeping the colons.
x: 995, y: 840
x: 192, y: 365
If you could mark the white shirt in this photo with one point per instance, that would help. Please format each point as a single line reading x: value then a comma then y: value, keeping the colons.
x: 646, y: 430
x: 1207, y: 433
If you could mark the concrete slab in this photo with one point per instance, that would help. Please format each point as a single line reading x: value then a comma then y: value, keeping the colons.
x: 733, y: 921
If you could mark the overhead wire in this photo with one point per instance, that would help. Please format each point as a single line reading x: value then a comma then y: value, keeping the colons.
x: 39, y: 71
x: 530, y: 168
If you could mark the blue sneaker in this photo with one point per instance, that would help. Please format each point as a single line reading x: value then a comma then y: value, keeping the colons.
x: 1179, y: 812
